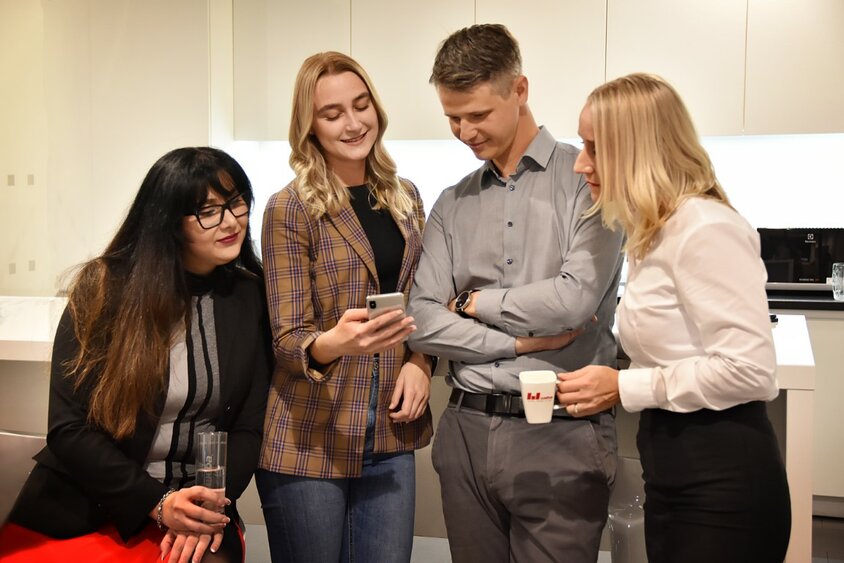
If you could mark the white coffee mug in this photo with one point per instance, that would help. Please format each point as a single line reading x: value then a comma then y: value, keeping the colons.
x: 538, y: 389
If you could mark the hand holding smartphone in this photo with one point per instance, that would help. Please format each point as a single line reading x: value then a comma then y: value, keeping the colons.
x: 377, y: 305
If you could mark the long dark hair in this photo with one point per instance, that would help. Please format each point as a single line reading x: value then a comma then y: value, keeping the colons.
x: 126, y: 303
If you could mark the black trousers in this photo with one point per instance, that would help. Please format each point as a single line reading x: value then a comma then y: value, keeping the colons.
x: 715, y: 486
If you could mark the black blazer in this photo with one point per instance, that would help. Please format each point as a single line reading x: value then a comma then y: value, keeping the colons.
x: 84, y: 478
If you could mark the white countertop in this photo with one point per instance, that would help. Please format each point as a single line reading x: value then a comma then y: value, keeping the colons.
x: 795, y: 360
x: 27, y: 327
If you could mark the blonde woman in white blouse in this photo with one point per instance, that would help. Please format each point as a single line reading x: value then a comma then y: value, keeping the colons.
x: 694, y: 321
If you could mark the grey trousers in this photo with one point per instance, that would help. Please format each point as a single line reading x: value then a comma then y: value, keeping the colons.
x: 526, y: 493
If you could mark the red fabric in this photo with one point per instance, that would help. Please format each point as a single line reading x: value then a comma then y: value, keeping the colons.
x: 20, y: 545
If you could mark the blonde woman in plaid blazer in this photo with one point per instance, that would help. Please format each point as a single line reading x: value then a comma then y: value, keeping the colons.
x: 349, y: 402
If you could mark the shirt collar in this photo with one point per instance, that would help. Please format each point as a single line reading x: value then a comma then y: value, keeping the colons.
x: 539, y: 150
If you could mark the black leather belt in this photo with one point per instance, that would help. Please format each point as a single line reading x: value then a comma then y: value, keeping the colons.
x: 502, y: 404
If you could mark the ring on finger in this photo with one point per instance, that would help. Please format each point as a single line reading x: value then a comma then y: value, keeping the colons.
x: 575, y: 408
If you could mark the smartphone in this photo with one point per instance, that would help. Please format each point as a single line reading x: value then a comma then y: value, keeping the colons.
x: 384, y: 303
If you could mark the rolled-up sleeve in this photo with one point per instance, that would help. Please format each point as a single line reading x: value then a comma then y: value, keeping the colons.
x: 287, y: 244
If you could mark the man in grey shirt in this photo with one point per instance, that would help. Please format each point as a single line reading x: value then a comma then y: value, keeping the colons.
x: 511, y: 278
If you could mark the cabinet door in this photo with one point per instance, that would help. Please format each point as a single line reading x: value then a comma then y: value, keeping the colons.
x: 562, y: 44
x: 271, y: 39
x: 396, y: 43
x: 795, y: 66
x: 25, y: 156
x: 696, y: 46
x: 828, y: 447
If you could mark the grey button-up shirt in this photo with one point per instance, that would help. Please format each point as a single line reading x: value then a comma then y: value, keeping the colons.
x: 542, y: 267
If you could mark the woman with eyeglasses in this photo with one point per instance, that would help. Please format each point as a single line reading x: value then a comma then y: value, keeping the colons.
x: 165, y: 335
x: 348, y: 403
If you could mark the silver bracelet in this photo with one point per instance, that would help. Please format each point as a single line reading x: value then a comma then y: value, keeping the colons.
x: 159, y: 513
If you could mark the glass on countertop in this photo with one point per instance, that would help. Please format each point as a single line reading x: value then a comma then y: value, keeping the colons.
x: 838, y: 281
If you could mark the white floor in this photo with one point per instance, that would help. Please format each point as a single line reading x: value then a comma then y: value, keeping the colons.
x: 425, y: 550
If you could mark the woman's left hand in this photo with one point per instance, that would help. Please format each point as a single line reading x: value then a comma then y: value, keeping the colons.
x: 413, y: 389
x: 187, y: 546
x: 588, y: 390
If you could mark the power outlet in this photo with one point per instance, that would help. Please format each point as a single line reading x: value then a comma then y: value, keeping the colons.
x: 30, y: 179
x: 12, y: 268
x: 32, y: 265
x: 10, y: 179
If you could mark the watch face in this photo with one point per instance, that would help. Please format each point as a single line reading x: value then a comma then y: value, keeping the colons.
x: 461, y: 300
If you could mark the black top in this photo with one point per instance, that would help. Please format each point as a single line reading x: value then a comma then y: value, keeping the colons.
x: 200, y: 285
x: 384, y: 236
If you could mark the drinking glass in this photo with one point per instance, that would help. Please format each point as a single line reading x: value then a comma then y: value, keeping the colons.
x: 838, y: 281
x: 211, y: 461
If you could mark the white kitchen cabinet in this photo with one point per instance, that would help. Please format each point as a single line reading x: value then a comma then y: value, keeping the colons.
x: 396, y: 43
x: 271, y: 39
x: 696, y: 46
x: 23, y: 150
x: 742, y: 67
x: 826, y: 329
x: 562, y: 44
x: 826, y: 334
x: 795, y: 66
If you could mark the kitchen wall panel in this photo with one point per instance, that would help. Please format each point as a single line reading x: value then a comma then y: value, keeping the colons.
x: 105, y: 88
x: 145, y: 101
x: 697, y: 46
x: 271, y: 39
x: 396, y: 43
x: 795, y: 66
x: 24, y: 265
x: 562, y: 44
x: 747, y: 66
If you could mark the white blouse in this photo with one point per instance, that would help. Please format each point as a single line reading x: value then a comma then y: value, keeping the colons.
x: 694, y: 316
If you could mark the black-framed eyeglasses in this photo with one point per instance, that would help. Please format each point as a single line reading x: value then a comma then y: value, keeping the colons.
x: 209, y: 216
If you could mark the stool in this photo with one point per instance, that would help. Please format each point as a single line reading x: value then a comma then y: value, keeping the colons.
x: 16, y: 451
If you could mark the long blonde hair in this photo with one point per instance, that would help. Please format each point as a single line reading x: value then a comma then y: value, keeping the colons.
x: 648, y: 157
x: 319, y: 187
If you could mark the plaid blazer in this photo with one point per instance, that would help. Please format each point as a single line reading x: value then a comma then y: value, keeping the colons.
x: 316, y: 270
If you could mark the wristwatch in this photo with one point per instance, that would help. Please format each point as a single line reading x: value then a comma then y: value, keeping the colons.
x: 462, y: 301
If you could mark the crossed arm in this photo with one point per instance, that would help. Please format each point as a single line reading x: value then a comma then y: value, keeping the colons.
x: 542, y: 315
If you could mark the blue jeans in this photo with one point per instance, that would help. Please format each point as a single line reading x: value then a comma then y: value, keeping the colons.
x: 362, y: 519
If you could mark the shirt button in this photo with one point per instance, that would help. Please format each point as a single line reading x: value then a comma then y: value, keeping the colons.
x: 497, y: 364
x: 509, y: 223
x: 512, y: 188
x: 530, y: 333
x: 509, y: 261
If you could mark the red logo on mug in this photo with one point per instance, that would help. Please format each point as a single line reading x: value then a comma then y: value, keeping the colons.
x: 533, y: 396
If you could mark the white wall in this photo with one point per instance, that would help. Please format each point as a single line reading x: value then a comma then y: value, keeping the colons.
x: 94, y: 91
